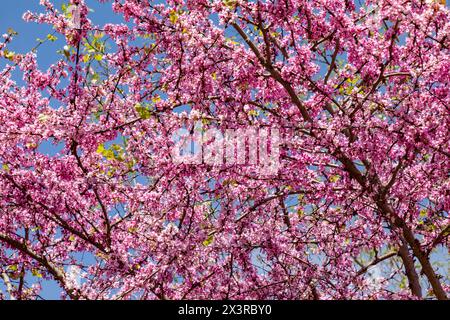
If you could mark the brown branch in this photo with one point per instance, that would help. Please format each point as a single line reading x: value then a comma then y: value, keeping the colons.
x: 333, y: 62
x: 274, y: 73
x: 375, y: 262
x: 49, y: 266
x: 410, y: 270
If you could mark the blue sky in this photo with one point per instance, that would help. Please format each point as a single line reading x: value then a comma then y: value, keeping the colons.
x: 11, y: 17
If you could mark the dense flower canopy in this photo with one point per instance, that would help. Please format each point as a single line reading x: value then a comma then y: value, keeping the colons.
x: 358, y: 208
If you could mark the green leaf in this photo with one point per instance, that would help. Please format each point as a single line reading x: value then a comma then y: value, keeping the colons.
x: 208, y: 240
x: 143, y: 112
x: 95, y: 78
x: 132, y: 229
x: 253, y: 113
x: 173, y: 17
x: 52, y: 37
x: 229, y: 3
x: 156, y: 99
x: 42, y: 117
x: 115, y: 153
x: 36, y: 273
x: 446, y: 232
x: 403, y: 283
x: 118, y: 152
x: 335, y: 178
x: 99, y: 35
x: 12, y: 32
x: 423, y: 213
x: 98, y: 57
x: 13, y: 267
x: 9, y: 54
x: 100, y: 149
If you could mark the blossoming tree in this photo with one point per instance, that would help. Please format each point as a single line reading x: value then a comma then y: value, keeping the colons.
x: 358, y: 208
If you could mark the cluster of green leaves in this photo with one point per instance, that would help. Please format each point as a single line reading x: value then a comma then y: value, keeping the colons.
x: 94, y: 47
x: 116, y: 152
x: 144, y: 110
